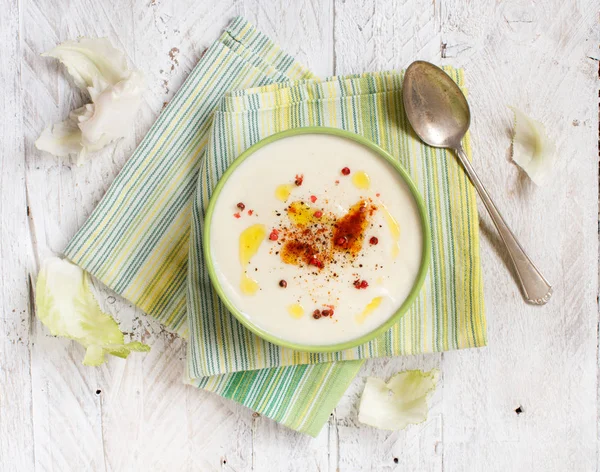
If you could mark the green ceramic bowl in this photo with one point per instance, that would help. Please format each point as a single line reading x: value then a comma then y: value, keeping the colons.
x: 426, y: 233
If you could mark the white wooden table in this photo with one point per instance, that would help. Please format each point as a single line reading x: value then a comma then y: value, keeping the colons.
x: 56, y: 414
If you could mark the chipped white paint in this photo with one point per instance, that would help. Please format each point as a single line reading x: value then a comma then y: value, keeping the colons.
x: 541, y: 56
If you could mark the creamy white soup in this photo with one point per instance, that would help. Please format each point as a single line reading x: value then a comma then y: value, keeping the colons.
x: 316, y: 239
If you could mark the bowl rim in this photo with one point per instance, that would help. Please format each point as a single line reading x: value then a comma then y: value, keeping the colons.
x: 426, y: 241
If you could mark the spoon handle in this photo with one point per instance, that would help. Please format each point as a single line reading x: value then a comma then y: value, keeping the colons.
x: 536, y: 288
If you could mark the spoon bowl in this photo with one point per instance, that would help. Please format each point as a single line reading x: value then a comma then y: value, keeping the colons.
x: 439, y: 113
x: 436, y: 107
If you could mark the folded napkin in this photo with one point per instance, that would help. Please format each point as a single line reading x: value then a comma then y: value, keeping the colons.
x: 144, y: 238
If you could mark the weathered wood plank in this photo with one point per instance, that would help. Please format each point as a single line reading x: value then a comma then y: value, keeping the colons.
x: 151, y: 420
x: 302, y: 28
x: 62, y: 195
x: 16, y: 425
x: 372, y: 35
x: 539, y: 359
x: 65, y: 404
x: 418, y: 447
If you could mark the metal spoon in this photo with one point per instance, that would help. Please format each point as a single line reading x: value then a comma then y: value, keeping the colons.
x: 439, y: 113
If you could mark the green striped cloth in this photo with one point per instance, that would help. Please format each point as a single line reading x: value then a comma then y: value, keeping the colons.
x: 144, y: 238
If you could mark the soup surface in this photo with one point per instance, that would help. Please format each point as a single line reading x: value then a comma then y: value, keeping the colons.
x: 316, y: 239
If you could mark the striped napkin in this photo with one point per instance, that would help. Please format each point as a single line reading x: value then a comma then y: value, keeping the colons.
x: 144, y: 238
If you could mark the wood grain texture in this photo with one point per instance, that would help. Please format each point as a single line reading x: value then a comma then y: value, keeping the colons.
x: 418, y: 447
x: 379, y: 35
x: 16, y: 424
x: 56, y: 414
x: 542, y: 360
